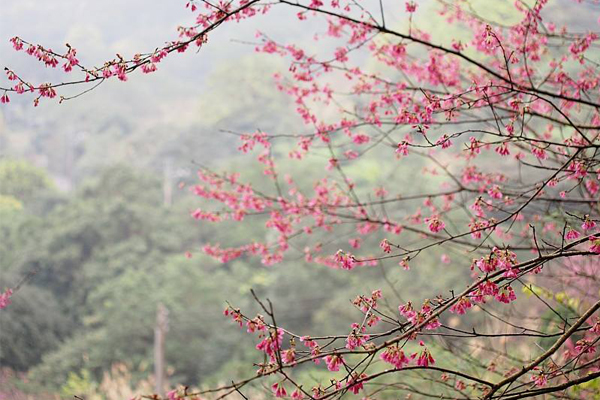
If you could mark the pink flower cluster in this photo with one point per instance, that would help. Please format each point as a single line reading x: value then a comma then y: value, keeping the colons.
x: 345, y: 260
x: 357, y: 337
x: 271, y: 343
x: 395, y: 356
x: 502, y: 259
x: 5, y: 298
x: 334, y: 361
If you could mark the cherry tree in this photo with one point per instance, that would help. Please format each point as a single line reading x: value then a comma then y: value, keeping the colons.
x: 503, y: 125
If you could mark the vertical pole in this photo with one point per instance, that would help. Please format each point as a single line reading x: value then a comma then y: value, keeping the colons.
x: 159, y: 347
x: 167, y: 186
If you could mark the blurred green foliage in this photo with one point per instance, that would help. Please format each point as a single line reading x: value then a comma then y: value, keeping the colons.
x: 103, y: 258
x: 22, y: 180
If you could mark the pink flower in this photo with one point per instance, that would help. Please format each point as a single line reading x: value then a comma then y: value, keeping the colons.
x: 425, y: 359
x: 433, y: 324
x: 46, y: 90
x: 577, y: 170
x: 435, y: 224
x: 540, y: 379
x: 572, y: 234
x: 11, y: 75
x: 158, y: 55
x: 461, y: 306
x: 584, y: 346
x: 380, y: 192
x: 120, y: 70
x: 588, y: 223
x: 346, y: 261
x: 404, y: 264
x: 256, y: 324
x: 393, y: 355
x: 191, y: 6
x: 4, y: 99
x: 407, y: 311
x: 17, y: 43
x: 19, y: 88
x: 271, y: 343
x: 444, y: 141
x: 278, y: 389
x: 5, y: 298
x: 308, y: 342
x: 270, y: 47
x: 487, y: 263
x: 488, y: 288
x: 341, y: 54
x: 592, y: 186
x: 402, y: 149
x: 595, y: 248
x: 351, y: 154
x: 206, y: 216
x: 474, y: 146
x: 355, y: 338
x: 333, y: 163
x: 333, y: 362
x: 596, y: 327
x: 148, y: 68
x: 495, y: 192
x: 411, y: 6
x: 506, y: 295
x: 385, y: 246
x: 361, y: 139
x: 502, y: 149
x: 288, y: 356
x: 71, y: 60
x: 48, y: 58
x: 539, y: 153
x: 355, y: 243
x: 106, y: 72
x: 352, y: 385
x: 373, y: 320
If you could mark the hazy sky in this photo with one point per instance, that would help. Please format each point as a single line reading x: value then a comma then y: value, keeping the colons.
x: 171, y: 97
x: 99, y: 30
